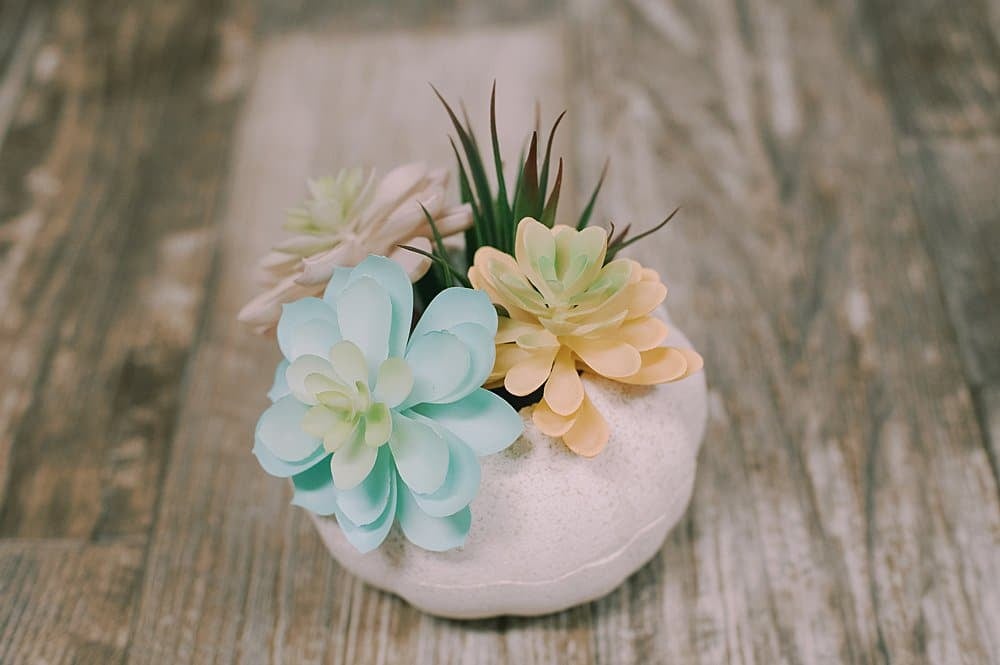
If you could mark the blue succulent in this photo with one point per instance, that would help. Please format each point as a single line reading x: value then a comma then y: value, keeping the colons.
x: 375, y: 424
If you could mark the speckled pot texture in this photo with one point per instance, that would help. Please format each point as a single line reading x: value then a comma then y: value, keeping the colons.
x: 551, y: 530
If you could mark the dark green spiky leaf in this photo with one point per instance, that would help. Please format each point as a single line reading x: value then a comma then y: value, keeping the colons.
x: 438, y: 239
x: 440, y: 251
x: 613, y: 249
x: 615, y: 237
x: 543, y: 177
x: 468, y: 125
x: 478, y: 173
x: 589, y: 209
x: 475, y: 232
x: 517, y: 186
x: 503, y: 207
x: 527, y: 193
x: 549, y: 213
x: 451, y: 274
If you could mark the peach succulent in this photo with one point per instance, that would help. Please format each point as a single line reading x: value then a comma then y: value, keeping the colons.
x: 568, y: 311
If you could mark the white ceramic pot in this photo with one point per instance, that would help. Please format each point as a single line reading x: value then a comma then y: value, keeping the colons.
x: 550, y: 529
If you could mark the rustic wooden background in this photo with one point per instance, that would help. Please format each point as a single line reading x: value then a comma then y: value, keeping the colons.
x: 838, y: 166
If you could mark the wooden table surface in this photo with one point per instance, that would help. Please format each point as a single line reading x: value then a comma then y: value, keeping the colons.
x: 838, y: 169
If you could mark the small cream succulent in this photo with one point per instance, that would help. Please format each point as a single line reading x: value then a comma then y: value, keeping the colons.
x: 347, y: 217
x: 568, y: 311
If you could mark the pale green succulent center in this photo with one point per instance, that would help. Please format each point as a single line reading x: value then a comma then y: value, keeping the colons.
x: 557, y: 298
x: 559, y: 275
x: 335, y: 204
x: 352, y: 401
x: 344, y: 411
x: 344, y: 407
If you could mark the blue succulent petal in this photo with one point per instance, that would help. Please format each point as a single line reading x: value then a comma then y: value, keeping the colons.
x: 479, y: 342
x: 436, y: 534
x: 279, y: 467
x: 365, y: 314
x: 279, y: 387
x: 391, y: 276
x: 313, y: 338
x: 314, y: 490
x: 369, y: 536
x: 483, y: 420
x: 295, y: 314
x: 455, y: 306
x: 366, y: 502
x: 280, y: 429
x: 460, y: 486
x: 420, y: 453
x: 336, y: 284
x: 440, y: 363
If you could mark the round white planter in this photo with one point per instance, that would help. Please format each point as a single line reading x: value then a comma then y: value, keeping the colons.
x: 550, y: 529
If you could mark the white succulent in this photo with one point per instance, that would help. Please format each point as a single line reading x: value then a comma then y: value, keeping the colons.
x: 347, y: 217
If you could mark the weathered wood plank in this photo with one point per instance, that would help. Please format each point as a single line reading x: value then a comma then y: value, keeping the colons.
x: 235, y: 574
x: 380, y: 15
x: 107, y: 189
x: 22, y: 25
x: 941, y: 67
x: 844, y: 510
x: 71, y: 600
x: 105, y: 271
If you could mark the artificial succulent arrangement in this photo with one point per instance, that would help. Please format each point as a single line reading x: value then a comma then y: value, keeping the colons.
x: 379, y: 416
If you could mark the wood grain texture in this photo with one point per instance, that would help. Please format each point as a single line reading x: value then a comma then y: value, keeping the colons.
x: 380, y: 15
x: 939, y: 64
x: 107, y: 193
x: 834, y: 260
x: 845, y: 510
x: 71, y: 600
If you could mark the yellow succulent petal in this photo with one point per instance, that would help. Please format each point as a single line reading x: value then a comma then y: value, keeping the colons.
x: 529, y: 374
x: 537, y: 339
x: 489, y: 267
x: 608, y: 357
x: 482, y: 282
x: 644, y: 333
x: 589, y: 433
x: 566, y: 254
x: 610, y: 279
x: 614, y: 308
x: 515, y: 289
x: 644, y: 297
x: 591, y: 242
x: 564, y: 389
x: 535, y: 252
x: 694, y: 360
x: 659, y: 365
x: 509, y: 329
x: 549, y: 422
x: 579, y: 256
x: 596, y: 328
x: 509, y: 355
x: 650, y: 275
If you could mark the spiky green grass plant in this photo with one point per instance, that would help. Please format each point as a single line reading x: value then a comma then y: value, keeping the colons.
x: 497, y: 210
